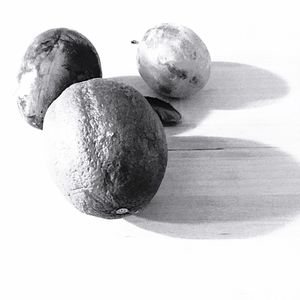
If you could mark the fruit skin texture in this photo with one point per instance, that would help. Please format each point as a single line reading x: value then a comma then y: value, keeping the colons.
x: 56, y: 59
x: 173, y: 61
x: 107, y: 147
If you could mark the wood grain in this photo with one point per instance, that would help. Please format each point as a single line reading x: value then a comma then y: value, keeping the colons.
x: 239, y: 192
x: 218, y: 187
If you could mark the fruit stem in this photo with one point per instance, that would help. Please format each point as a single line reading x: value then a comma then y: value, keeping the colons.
x: 134, y: 42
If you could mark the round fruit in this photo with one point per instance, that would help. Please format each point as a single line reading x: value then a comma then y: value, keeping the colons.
x: 173, y: 61
x: 56, y: 59
x: 107, y: 147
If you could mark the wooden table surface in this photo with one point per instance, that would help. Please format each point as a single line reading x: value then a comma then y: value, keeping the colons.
x: 225, y: 187
x: 225, y: 222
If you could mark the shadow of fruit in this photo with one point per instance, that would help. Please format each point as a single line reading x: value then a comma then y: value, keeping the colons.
x: 222, y: 188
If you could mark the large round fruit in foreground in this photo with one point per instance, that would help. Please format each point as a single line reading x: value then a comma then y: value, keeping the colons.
x: 56, y: 59
x: 173, y: 61
x: 107, y: 147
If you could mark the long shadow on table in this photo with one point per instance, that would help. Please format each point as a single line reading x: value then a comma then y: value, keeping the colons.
x: 231, y: 86
x: 223, y: 188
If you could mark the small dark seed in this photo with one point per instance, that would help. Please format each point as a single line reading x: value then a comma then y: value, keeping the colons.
x: 168, y: 115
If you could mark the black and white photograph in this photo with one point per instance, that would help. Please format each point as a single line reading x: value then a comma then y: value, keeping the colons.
x: 150, y: 150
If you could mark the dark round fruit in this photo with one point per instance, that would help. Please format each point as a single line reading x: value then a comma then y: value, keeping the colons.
x: 56, y: 59
x: 107, y: 147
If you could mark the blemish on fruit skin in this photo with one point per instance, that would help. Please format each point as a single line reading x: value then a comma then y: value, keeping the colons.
x: 194, y: 80
x: 22, y: 103
x: 164, y: 89
x: 147, y: 34
x: 168, y: 29
x: 181, y: 74
x: 122, y: 211
x: 150, y: 42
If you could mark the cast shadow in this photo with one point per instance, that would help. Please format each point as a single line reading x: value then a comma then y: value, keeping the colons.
x: 219, y: 187
x: 231, y: 86
x: 212, y: 191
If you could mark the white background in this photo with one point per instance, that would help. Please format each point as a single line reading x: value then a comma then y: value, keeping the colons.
x: 51, y: 251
